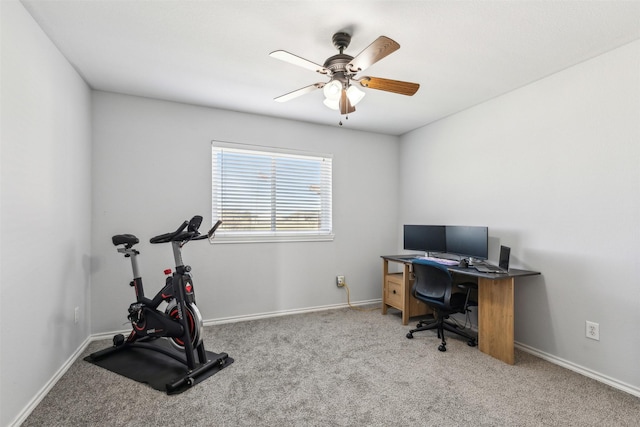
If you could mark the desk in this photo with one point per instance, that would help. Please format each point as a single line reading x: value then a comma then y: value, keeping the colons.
x: 495, y: 304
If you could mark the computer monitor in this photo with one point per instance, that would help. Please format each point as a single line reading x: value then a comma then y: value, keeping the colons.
x: 425, y: 238
x: 468, y: 241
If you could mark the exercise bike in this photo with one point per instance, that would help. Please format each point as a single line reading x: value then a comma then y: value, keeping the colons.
x: 180, y: 322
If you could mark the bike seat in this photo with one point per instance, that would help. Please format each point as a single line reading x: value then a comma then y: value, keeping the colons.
x: 124, y: 239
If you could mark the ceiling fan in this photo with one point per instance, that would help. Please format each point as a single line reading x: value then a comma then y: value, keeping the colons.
x: 341, y: 92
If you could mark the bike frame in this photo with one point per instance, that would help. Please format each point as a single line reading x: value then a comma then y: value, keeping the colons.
x: 181, y: 289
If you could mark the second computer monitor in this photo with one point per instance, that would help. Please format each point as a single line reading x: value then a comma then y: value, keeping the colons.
x: 468, y: 241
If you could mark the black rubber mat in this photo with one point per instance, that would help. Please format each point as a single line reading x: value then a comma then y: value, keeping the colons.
x: 154, y: 368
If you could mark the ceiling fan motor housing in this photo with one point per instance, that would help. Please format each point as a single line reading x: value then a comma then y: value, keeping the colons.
x: 337, y: 64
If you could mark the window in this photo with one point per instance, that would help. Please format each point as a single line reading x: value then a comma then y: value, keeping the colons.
x: 269, y: 194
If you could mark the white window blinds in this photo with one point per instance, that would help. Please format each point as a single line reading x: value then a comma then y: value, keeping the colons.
x: 267, y: 194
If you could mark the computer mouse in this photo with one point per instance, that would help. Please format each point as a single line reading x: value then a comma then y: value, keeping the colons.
x: 463, y: 263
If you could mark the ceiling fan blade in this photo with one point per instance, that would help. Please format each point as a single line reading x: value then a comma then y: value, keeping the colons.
x: 296, y: 60
x: 296, y: 93
x: 373, y: 53
x: 395, y: 86
x: 345, y: 104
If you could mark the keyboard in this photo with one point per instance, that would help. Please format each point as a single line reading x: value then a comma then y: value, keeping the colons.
x: 442, y: 261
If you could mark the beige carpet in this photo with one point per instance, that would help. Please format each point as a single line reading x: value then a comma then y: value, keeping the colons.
x: 341, y: 368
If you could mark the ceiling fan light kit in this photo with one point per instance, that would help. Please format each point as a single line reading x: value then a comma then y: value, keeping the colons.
x: 340, y: 91
x: 333, y: 93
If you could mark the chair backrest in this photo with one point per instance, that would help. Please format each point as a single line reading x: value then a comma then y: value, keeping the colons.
x: 432, y: 280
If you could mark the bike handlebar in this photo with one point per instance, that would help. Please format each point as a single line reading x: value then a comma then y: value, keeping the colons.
x: 180, y: 235
x: 169, y: 237
x: 210, y: 233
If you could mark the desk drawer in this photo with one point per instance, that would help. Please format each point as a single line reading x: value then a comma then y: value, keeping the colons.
x: 394, y: 291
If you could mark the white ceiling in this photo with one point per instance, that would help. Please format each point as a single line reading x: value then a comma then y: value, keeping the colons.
x: 216, y: 53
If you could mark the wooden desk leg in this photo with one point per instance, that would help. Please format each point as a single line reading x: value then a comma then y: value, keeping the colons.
x: 385, y: 271
x: 495, y: 318
x: 406, y: 294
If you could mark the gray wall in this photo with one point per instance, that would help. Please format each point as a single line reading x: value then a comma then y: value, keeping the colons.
x: 554, y: 170
x: 46, y: 154
x: 152, y: 169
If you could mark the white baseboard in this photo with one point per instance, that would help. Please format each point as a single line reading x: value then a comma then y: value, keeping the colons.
x: 635, y: 391
x: 109, y: 335
x: 279, y: 313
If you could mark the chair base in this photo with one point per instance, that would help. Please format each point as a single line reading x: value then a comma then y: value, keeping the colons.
x: 440, y: 325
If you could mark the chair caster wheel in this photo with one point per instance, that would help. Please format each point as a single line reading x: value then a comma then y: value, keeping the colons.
x: 471, y: 343
x: 441, y: 347
x: 118, y: 340
x: 409, y: 335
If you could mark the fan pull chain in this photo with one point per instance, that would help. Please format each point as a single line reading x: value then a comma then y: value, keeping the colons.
x: 345, y: 117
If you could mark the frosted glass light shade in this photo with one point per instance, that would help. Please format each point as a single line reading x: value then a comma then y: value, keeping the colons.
x: 355, y: 95
x: 334, y: 104
x: 332, y: 90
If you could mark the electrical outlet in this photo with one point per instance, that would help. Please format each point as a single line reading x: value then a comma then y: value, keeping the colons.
x: 76, y: 315
x: 593, y: 331
x: 340, y: 281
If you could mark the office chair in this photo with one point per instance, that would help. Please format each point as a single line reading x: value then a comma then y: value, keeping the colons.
x: 433, y: 285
